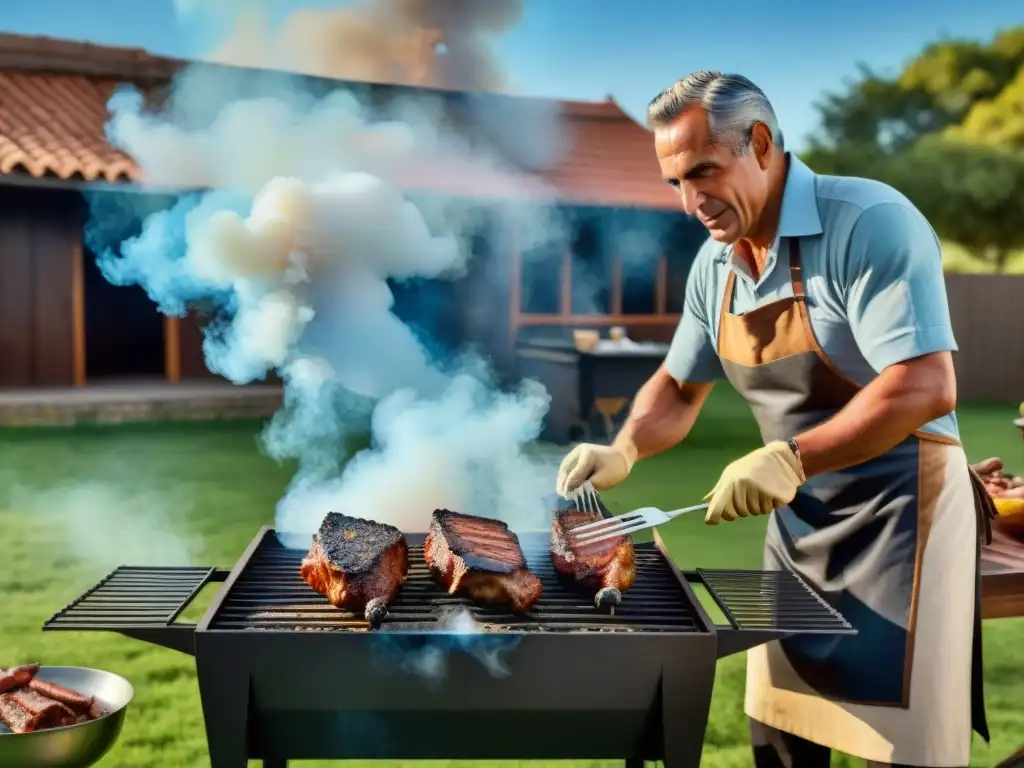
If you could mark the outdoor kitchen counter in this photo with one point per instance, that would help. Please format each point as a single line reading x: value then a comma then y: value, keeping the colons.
x: 589, y: 390
x: 1002, y: 577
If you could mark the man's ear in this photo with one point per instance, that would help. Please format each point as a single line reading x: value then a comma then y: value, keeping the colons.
x: 761, y: 144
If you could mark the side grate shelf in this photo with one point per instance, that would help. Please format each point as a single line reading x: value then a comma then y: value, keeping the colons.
x: 777, y: 601
x: 139, y: 602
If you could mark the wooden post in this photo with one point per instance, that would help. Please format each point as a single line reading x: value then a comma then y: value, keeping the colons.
x: 565, y: 299
x: 78, y: 373
x: 661, y: 286
x: 172, y: 349
x: 616, y: 297
x: 515, y: 291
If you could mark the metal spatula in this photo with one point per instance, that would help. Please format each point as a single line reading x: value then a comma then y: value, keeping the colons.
x: 630, y: 522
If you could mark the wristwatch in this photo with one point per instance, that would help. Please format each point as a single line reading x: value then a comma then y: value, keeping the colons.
x: 794, y: 446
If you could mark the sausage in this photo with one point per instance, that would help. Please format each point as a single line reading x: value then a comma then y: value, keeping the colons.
x: 73, y: 700
x: 15, y: 677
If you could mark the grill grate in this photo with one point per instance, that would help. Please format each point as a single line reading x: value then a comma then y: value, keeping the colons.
x: 772, y: 600
x: 270, y: 595
x: 134, y: 597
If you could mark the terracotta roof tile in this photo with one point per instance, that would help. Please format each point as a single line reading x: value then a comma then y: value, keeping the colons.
x: 53, y: 97
x: 53, y: 125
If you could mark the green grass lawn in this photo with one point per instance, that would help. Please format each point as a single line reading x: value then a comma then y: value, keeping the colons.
x: 75, y: 503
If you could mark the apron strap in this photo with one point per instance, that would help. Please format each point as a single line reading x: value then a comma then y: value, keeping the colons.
x: 796, y: 272
x: 730, y: 287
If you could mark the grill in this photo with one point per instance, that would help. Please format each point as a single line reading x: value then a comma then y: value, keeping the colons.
x: 285, y: 676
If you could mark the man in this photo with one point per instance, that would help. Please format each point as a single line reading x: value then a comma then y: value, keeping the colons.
x: 821, y: 300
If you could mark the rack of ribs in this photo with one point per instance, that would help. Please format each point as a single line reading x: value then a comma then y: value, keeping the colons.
x: 480, y: 558
x: 357, y: 564
x: 30, y: 711
x: 28, y: 704
x: 609, y: 566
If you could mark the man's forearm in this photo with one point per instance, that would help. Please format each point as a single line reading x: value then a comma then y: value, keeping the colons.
x: 663, y: 413
x: 898, y: 402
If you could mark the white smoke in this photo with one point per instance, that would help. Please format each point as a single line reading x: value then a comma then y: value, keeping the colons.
x: 443, y: 43
x: 106, y: 524
x: 306, y: 224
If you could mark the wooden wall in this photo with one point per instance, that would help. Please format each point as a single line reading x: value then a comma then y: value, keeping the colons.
x: 988, y: 319
x: 193, y: 363
x: 40, y: 251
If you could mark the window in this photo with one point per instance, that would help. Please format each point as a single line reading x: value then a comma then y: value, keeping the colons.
x: 541, y: 270
x: 683, y: 239
x: 639, y: 248
x: 591, y: 268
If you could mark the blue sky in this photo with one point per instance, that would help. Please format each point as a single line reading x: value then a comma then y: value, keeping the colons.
x: 587, y: 49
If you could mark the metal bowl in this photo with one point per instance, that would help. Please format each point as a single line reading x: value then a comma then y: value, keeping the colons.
x: 73, y: 746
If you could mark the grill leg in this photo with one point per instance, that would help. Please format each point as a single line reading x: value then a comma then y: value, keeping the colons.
x: 275, y: 763
x: 224, y: 689
x: 634, y: 763
x: 685, y: 705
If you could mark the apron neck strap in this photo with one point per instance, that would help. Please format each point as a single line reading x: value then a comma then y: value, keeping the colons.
x: 796, y: 272
x: 730, y: 286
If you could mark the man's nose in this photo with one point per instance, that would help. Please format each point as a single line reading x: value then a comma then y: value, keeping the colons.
x: 692, y: 199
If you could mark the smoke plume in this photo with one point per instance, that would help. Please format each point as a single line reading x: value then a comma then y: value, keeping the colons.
x: 104, y: 524
x: 440, y: 43
x: 428, y: 656
x: 293, y: 253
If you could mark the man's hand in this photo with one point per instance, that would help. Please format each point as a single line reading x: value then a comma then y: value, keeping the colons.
x: 603, y: 465
x: 756, y: 484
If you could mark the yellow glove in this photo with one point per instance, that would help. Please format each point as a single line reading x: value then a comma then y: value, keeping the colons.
x: 756, y: 484
x: 603, y: 465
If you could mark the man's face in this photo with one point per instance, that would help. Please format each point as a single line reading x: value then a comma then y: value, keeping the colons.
x: 724, y: 191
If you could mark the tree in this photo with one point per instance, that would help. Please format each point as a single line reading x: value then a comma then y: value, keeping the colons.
x: 937, y: 89
x: 972, y: 194
x: 997, y: 122
x: 948, y: 131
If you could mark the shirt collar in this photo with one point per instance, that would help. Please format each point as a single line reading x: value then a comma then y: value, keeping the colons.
x: 799, y: 215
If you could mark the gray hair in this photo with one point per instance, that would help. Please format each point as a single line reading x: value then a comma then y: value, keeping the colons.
x: 733, y: 104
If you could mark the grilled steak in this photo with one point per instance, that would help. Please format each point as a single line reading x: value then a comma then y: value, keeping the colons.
x: 608, y: 566
x: 480, y: 558
x: 17, y: 676
x: 358, y: 565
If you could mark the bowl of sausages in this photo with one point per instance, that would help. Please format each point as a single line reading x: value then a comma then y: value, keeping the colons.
x: 60, y: 716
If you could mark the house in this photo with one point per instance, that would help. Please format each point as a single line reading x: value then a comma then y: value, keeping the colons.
x: 62, y: 324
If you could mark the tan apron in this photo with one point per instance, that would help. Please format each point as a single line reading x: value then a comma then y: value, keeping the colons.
x: 893, y: 544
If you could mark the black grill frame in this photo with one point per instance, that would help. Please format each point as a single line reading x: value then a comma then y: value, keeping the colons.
x: 285, y: 693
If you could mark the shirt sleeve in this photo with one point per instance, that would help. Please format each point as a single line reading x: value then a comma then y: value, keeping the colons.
x: 896, y: 295
x: 692, y: 356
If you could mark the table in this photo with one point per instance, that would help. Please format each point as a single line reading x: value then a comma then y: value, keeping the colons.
x: 590, y: 391
x: 1002, y: 594
x: 1002, y: 577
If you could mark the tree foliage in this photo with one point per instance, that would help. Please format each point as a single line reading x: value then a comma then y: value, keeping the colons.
x: 948, y: 131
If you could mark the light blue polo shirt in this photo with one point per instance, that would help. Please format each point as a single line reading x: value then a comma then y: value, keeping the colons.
x: 872, y: 269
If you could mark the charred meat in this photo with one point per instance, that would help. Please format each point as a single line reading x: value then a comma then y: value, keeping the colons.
x: 29, y: 704
x: 607, y: 566
x: 357, y: 564
x: 16, y: 677
x: 480, y: 558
